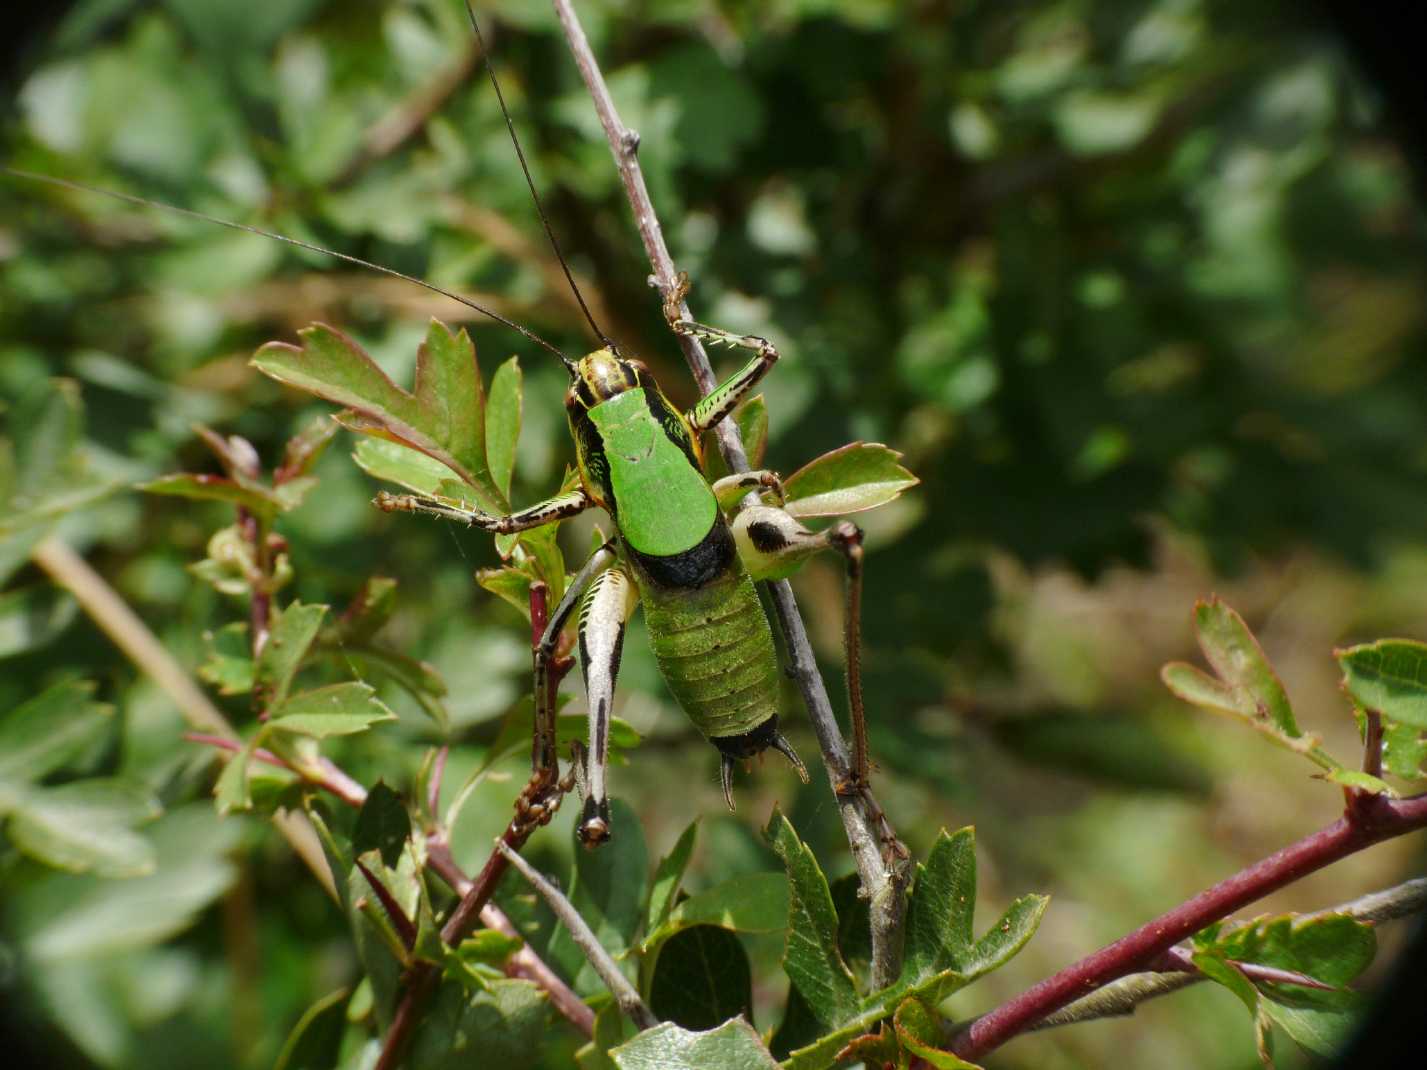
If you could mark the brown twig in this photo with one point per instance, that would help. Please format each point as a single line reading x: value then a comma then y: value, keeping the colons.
x: 1364, y: 823
x: 863, y: 820
x: 584, y: 937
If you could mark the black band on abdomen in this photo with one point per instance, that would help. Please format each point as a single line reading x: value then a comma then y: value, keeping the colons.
x: 709, y: 559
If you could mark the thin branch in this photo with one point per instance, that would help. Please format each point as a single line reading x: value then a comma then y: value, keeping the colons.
x: 864, y: 822
x: 131, y: 635
x: 1121, y: 997
x: 1366, y: 822
x: 584, y: 937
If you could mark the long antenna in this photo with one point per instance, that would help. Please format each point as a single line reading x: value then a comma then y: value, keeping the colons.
x: 539, y: 208
x: 144, y: 202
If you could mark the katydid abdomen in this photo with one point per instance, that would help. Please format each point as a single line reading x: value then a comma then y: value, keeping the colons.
x: 714, y: 649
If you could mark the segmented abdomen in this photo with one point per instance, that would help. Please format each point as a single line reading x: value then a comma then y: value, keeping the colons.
x: 715, y: 650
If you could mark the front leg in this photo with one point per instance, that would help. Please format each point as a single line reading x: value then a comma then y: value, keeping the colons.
x: 560, y: 507
x: 725, y: 397
x: 606, y: 609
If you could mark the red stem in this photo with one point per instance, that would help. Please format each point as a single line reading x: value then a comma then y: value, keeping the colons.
x: 1371, y: 821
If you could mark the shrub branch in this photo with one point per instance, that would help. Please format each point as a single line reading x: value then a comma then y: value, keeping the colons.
x: 883, y: 884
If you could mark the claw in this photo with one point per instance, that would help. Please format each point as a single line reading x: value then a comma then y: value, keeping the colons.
x: 783, y: 747
x: 725, y: 772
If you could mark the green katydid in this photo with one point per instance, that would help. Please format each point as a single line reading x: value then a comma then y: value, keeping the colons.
x: 688, y: 550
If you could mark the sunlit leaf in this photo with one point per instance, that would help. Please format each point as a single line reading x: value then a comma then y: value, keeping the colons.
x: 336, y: 710
x: 732, y: 1046
x: 858, y: 476
x: 87, y: 827
x: 1389, y: 676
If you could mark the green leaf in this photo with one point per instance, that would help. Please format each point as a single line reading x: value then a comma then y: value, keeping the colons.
x: 303, y: 450
x: 732, y: 1046
x: 45, y: 425
x: 1325, y: 1032
x: 1214, y: 966
x: 701, y: 978
x: 941, y: 909
x: 418, y: 679
x: 612, y: 1028
x: 97, y: 916
x: 1389, y: 676
x: 383, y: 825
x: 1006, y: 936
x: 920, y: 1032
x: 850, y: 479
x: 1245, y: 686
x: 87, y: 827
x: 230, y: 666
x: 316, y: 1039
x: 1360, y: 781
x: 336, y: 710
x: 543, y: 546
x: 753, y: 903
x: 199, y: 487
x: 33, y: 616
x: 44, y: 733
x: 292, y: 633
x: 811, y: 958
x: 668, y: 875
x: 368, y: 611
x: 1332, y: 948
x: 395, y: 463
x: 231, y: 792
x: 507, y: 1025
x: 503, y: 423
x: 1404, y: 749
x: 512, y: 585
x: 443, y: 416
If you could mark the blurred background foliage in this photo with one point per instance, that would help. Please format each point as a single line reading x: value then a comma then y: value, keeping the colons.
x: 1135, y: 284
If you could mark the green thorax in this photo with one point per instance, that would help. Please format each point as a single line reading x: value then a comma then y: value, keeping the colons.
x: 662, y: 504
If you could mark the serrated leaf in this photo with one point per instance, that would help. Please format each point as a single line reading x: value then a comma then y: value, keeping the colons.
x: 1006, y: 936
x: 503, y: 411
x: 395, y: 463
x: 732, y: 1046
x: 336, y: 710
x: 383, y: 825
x: 920, y: 1033
x: 810, y: 957
x: 1360, y: 781
x: 1214, y: 966
x: 1404, y: 749
x: 1245, y: 686
x: 850, y: 479
x: 200, y: 487
x: 87, y: 827
x: 418, y: 679
x: 303, y: 450
x: 668, y: 876
x: 701, y: 978
x: 753, y: 903
x: 942, y: 906
x: 291, y: 635
x: 1324, y: 1032
x: 41, y: 735
x: 45, y: 425
x: 443, y: 416
x: 511, y: 585
x: 32, y: 617
x: 230, y: 666
x: 231, y: 792
x: 543, y: 546
x: 506, y: 1025
x: 1389, y: 676
x: 1332, y: 948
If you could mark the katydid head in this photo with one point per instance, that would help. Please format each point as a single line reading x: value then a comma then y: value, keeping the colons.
x: 602, y: 375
